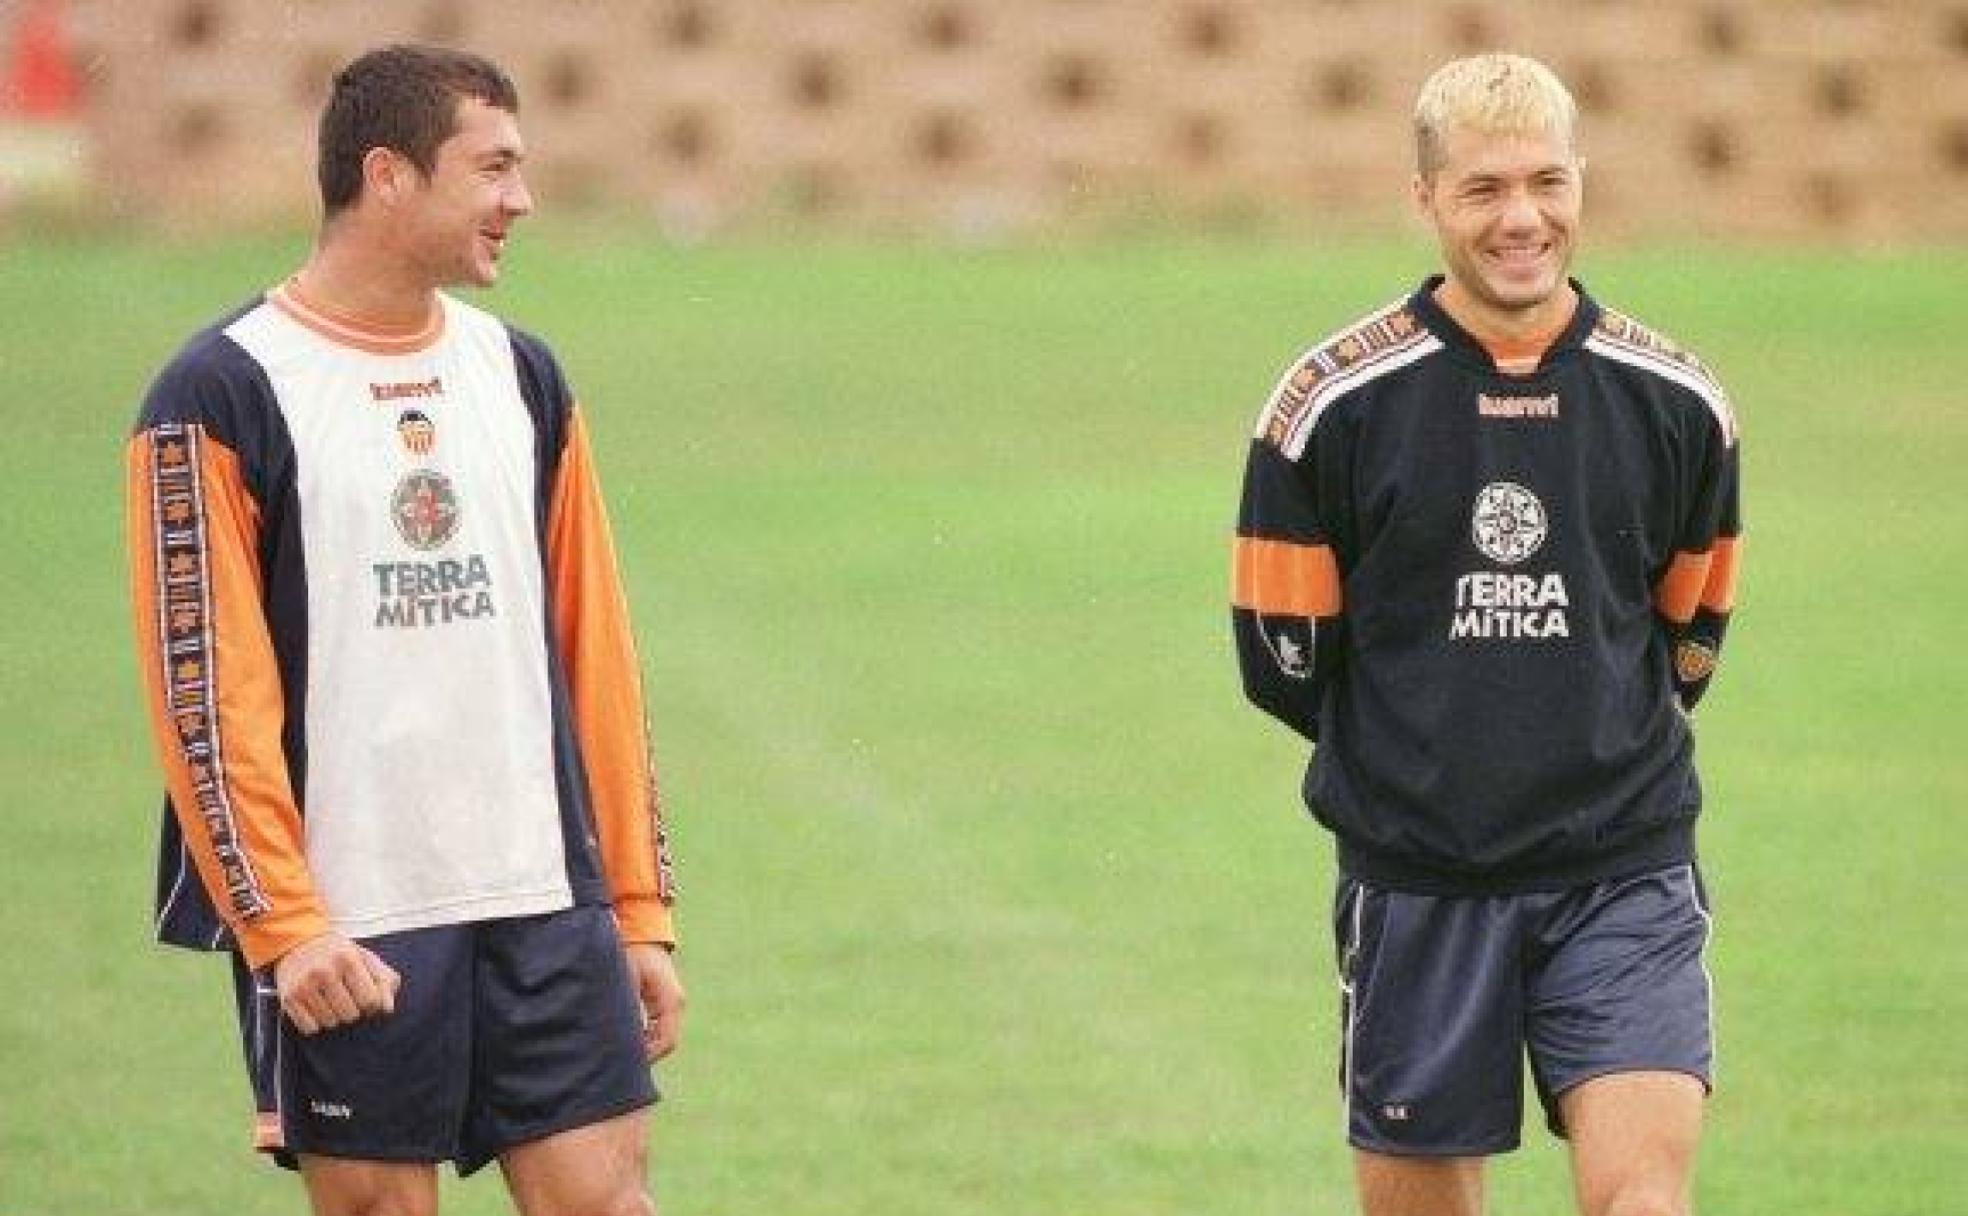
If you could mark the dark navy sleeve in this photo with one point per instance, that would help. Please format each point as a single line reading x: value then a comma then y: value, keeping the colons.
x: 1285, y: 585
x: 1713, y: 528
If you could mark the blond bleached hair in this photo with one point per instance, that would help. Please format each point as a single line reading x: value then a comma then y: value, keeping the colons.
x: 1495, y: 94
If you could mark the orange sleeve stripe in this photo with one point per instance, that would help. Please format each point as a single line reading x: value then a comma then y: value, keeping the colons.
x: 213, y: 686
x: 597, y: 647
x: 1279, y: 578
x: 1719, y: 589
x: 1680, y: 589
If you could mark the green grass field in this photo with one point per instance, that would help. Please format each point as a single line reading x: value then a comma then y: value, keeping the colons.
x: 997, y: 897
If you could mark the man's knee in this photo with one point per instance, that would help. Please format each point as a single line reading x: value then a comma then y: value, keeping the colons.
x: 623, y: 1201
x: 596, y: 1170
x: 631, y: 1201
x: 1633, y: 1139
x: 380, y: 1204
x: 1642, y: 1199
x: 347, y: 1187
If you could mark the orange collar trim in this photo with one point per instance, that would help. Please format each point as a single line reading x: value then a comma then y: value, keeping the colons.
x: 348, y: 330
x: 1518, y: 356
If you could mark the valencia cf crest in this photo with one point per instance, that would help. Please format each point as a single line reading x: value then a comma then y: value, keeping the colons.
x: 417, y: 432
x: 1693, y: 661
x: 425, y: 509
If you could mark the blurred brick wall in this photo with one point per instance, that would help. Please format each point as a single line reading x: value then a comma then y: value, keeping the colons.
x: 1845, y: 119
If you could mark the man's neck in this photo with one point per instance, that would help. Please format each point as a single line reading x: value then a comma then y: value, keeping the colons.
x: 1537, y: 324
x: 365, y: 285
x: 1516, y: 339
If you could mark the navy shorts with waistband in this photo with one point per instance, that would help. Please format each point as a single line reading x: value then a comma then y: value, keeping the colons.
x: 505, y: 1031
x: 1443, y: 997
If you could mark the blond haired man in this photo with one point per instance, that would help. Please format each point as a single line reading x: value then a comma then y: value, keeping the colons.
x: 1485, y: 558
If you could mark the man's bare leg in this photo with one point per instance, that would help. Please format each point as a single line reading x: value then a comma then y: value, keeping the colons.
x: 340, y: 1186
x: 597, y: 1170
x: 1633, y: 1138
x: 1418, y: 1186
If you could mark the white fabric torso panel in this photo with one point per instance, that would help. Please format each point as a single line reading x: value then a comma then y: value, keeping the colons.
x: 430, y: 795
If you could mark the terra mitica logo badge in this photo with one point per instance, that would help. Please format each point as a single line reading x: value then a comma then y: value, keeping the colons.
x: 425, y: 509
x: 1509, y: 522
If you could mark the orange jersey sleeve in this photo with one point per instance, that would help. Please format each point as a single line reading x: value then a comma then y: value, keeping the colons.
x: 604, y: 676
x: 213, y: 686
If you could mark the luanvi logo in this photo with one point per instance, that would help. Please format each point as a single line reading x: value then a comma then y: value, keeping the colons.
x: 330, y: 1110
x: 433, y: 387
x: 1517, y: 407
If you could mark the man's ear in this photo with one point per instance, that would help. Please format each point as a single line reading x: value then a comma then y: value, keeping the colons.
x: 385, y: 175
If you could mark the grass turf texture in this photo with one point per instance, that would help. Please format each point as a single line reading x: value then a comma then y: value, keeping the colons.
x: 997, y: 897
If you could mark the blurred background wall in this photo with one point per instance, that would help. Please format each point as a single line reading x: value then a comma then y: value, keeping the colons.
x: 1844, y: 120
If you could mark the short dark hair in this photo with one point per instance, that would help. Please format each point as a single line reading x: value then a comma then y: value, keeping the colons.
x: 404, y: 98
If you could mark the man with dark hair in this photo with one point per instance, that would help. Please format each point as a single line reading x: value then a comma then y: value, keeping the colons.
x: 403, y: 98
x: 1485, y: 558
x: 389, y: 667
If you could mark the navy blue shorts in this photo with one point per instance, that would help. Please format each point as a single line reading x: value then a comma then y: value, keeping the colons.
x: 505, y: 1031
x: 1443, y: 997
